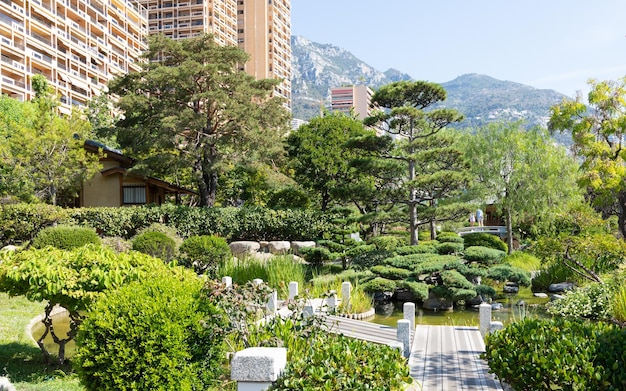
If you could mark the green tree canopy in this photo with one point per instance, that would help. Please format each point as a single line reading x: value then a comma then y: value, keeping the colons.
x: 433, y: 167
x: 191, y: 109
x: 521, y: 171
x: 599, y: 134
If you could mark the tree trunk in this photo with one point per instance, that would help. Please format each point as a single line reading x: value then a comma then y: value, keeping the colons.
x: 509, y: 231
x: 433, y: 229
x: 621, y: 216
x: 206, y: 177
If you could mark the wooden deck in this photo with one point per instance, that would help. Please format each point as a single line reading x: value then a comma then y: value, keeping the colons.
x: 446, y: 358
x: 359, y: 329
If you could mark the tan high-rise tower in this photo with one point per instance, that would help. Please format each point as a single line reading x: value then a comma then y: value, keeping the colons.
x: 262, y: 28
x: 78, y: 45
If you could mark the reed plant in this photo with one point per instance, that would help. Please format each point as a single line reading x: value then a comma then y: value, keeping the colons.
x: 619, y: 303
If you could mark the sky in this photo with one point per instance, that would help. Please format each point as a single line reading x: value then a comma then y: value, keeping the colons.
x: 546, y: 44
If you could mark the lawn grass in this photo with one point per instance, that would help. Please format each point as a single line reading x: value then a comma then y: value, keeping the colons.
x: 20, y: 358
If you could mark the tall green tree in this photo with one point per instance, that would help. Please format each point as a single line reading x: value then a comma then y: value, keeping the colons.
x: 191, y: 108
x: 318, y: 158
x: 433, y: 170
x: 522, y: 171
x: 599, y: 135
x: 43, y: 154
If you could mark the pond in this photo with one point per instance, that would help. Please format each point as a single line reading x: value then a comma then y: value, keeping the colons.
x: 467, y: 316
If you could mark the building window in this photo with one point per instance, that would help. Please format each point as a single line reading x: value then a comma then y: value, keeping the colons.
x: 134, y: 194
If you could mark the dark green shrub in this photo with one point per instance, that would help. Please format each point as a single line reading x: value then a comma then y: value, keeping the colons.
x: 418, y: 289
x: 379, y: 284
x: 452, y: 278
x: 558, y: 354
x: 432, y: 263
x: 316, y: 256
x: 289, y: 198
x: 552, y: 274
x: 451, y: 237
x: 391, y: 273
x: 204, y: 253
x: 485, y: 290
x: 167, y: 230
x: 65, y: 238
x: 506, y: 272
x: 422, y: 248
x: 485, y: 240
x: 387, y: 243
x: 154, y: 334
x: 21, y: 222
x: 156, y: 244
x: 368, y: 259
x: 484, y: 255
x: 449, y: 248
x: 326, y: 366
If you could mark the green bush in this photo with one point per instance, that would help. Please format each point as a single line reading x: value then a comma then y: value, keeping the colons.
x: 65, y: 237
x: 450, y: 237
x: 619, y: 303
x: 289, y: 198
x: 593, y: 301
x: 418, y: 289
x: 379, y: 284
x: 558, y: 354
x: 552, y: 274
x: 368, y: 259
x: 449, y: 248
x: 326, y: 366
x: 316, y: 256
x: 386, y: 243
x: 422, y: 248
x: 391, y: 273
x: 484, y: 255
x: 506, y: 272
x: 20, y: 223
x: 156, y: 244
x: 167, y: 230
x: 204, y: 253
x: 485, y: 240
x: 154, y: 334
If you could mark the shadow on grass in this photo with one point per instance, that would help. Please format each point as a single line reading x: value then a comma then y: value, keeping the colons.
x: 26, y: 363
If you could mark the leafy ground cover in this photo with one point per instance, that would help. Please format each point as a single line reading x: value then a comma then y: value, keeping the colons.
x: 20, y: 358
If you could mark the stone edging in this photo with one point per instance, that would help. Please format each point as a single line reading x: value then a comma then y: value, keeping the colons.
x: 363, y: 315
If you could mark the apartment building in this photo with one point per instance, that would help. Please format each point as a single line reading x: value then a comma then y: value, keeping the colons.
x: 79, y: 45
x: 262, y: 28
x: 349, y: 99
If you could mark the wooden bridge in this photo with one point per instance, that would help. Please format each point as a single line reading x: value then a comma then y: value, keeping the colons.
x: 490, y: 229
x: 443, y: 358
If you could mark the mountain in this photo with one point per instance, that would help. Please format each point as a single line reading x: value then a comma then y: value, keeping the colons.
x: 316, y: 68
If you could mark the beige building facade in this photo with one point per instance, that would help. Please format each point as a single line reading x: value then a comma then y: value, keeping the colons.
x: 78, y: 45
x: 349, y: 99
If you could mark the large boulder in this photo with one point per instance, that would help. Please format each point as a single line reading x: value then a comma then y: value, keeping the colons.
x: 560, y: 287
x: 297, y: 245
x: 279, y: 247
x: 244, y: 247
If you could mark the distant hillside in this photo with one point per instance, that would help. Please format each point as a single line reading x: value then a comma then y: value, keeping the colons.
x: 317, y: 68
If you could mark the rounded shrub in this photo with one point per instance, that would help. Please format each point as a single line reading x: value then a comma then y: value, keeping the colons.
x: 388, y: 243
x: 156, y: 244
x: 558, y: 354
x: 65, y: 237
x: 484, y: 255
x: 289, y: 198
x: 364, y: 261
x: 379, y: 284
x: 485, y: 240
x: 506, y: 272
x: 449, y: 248
x: 163, y: 228
x: 428, y: 248
x: 204, y: 253
x: 449, y: 237
x: 154, y: 334
x: 390, y: 272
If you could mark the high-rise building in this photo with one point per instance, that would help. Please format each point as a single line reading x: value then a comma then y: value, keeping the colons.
x: 78, y: 45
x: 262, y: 28
x: 352, y: 99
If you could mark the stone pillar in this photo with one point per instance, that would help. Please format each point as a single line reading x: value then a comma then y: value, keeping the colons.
x: 293, y: 290
x: 332, y: 301
x: 346, y: 289
x: 255, y: 369
x: 484, y: 311
x: 228, y: 281
x: 404, y: 336
x: 308, y: 310
x: 257, y: 281
x: 408, y: 309
x: 272, y: 303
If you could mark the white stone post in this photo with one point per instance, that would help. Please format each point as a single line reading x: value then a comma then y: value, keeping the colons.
x: 255, y: 369
x: 293, y: 290
x: 404, y: 336
x: 408, y: 309
x: 346, y: 289
x: 308, y: 310
x: 484, y: 313
x: 228, y: 281
x: 272, y: 303
x: 257, y: 281
x: 332, y: 301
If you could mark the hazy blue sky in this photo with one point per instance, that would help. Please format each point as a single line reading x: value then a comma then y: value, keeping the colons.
x: 555, y: 44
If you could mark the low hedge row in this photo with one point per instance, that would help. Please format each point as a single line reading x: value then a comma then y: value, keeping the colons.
x: 21, y: 222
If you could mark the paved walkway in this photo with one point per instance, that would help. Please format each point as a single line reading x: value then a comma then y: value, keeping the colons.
x: 446, y: 358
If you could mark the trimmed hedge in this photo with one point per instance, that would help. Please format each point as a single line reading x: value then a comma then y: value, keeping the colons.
x: 484, y: 255
x: 485, y: 240
x: 156, y: 244
x: 65, y: 238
